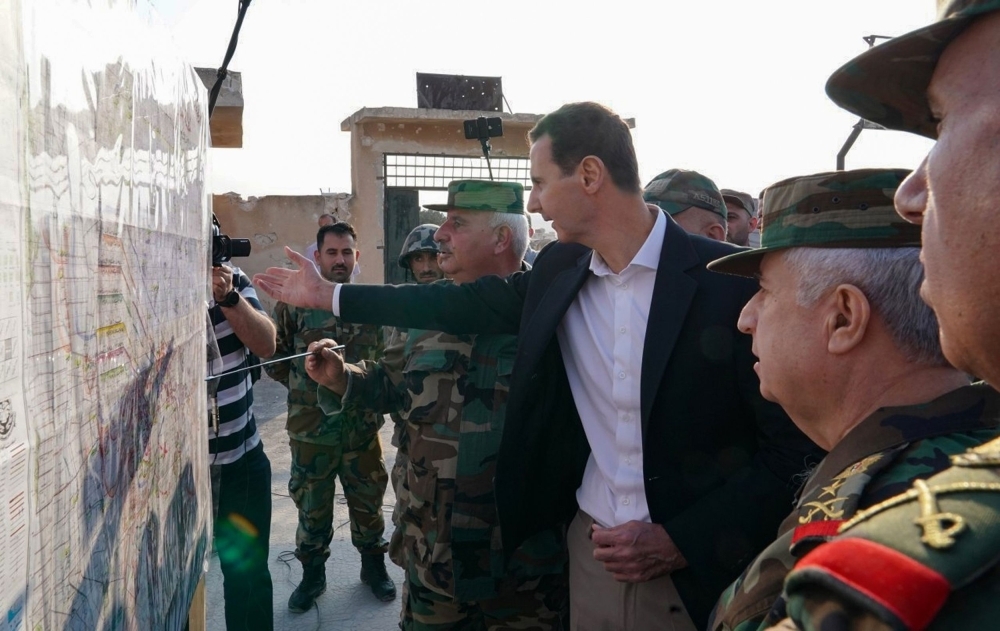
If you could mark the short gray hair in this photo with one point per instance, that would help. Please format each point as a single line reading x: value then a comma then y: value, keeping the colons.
x: 889, y: 277
x: 518, y: 225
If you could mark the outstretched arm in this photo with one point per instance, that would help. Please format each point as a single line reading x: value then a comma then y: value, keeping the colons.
x: 490, y: 305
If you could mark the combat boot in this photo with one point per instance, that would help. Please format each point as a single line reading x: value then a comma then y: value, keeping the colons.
x: 313, y: 584
x: 374, y: 575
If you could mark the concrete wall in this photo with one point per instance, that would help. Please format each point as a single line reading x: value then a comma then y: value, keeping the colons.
x: 273, y: 221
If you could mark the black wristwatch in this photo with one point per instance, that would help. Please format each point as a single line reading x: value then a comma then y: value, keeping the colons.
x: 231, y: 300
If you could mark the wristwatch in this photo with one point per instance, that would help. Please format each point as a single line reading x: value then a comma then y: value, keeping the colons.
x: 231, y: 300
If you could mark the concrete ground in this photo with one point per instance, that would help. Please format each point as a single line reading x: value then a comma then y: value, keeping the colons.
x: 347, y: 604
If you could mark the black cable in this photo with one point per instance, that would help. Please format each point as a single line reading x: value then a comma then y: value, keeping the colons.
x: 220, y: 75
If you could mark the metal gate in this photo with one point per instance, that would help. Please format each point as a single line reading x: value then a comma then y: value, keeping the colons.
x: 405, y: 175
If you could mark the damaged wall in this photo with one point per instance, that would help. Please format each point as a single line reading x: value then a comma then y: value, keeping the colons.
x: 274, y: 221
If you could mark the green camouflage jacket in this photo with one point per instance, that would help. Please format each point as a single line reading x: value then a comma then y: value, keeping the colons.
x: 395, y: 341
x: 940, y: 540
x: 879, y: 458
x: 298, y: 327
x: 451, y: 393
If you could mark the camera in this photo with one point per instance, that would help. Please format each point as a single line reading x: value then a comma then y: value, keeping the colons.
x: 224, y: 247
x: 483, y: 128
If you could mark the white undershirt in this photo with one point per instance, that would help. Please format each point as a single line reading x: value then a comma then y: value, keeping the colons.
x: 601, y: 338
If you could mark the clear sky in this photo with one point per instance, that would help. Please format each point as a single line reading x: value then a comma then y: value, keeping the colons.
x: 731, y: 88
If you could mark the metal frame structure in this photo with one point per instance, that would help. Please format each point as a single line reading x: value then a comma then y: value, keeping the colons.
x: 433, y: 172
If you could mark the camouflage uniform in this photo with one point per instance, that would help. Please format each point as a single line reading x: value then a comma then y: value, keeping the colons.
x: 934, y: 548
x: 886, y: 452
x: 395, y: 340
x: 452, y: 399
x: 451, y: 393
x: 447, y: 538
x: 325, y: 447
x: 880, y: 457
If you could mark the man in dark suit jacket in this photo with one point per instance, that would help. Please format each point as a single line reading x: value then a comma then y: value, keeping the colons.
x: 653, y: 441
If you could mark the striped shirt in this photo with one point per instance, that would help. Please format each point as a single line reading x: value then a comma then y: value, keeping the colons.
x: 237, y: 433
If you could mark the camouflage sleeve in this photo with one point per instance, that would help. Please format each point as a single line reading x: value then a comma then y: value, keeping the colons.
x: 818, y: 609
x: 329, y: 402
x: 369, y: 389
x: 372, y: 386
x: 377, y: 386
x: 286, y: 328
x: 394, y: 356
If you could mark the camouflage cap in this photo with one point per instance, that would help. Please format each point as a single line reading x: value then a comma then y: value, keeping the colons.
x: 841, y: 209
x: 677, y: 190
x: 498, y: 197
x: 888, y: 84
x: 743, y: 200
x: 420, y: 239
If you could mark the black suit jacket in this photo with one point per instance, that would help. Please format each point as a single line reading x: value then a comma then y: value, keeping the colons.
x: 720, y: 462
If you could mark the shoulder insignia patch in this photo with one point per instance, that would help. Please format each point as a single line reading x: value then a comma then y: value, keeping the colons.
x: 939, y: 529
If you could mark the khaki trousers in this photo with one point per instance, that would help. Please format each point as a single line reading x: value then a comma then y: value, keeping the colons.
x: 600, y: 603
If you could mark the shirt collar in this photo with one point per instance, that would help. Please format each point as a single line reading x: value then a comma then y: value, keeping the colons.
x: 648, y: 255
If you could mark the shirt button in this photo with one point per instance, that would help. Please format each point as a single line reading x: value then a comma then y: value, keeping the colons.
x: 628, y: 461
x: 624, y: 285
x: 626, y: 417
x: 621, y: 330
x: 625, y: 501
x: 621, y: 375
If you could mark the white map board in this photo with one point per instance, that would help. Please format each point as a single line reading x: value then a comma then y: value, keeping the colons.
x: 104, y: 492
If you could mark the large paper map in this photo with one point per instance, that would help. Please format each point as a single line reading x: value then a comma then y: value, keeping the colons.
x: 104, y: 492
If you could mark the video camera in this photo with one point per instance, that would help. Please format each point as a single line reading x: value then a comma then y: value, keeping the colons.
x: 224, y: 247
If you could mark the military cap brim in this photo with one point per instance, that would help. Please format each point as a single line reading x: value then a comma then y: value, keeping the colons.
x: 887, y: 84
x: 743, y: 263
x: 838, y: 209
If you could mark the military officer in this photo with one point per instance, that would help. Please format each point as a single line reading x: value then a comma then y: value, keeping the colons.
x: 926, y: 559
x: 692, y: 199
x: 325, y: 448
x: 847, y: 347
x: 451, y: 393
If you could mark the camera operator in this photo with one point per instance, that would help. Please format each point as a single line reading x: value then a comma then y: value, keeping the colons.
x: 241, y: 472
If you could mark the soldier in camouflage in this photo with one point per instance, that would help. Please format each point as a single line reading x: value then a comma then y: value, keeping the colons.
x: 419, y: 254
x: 741, y: 216
x: 451, y: 393
x: 849, y: 350
x: 927, y: 558
x: 325, y: 447
x: 693, y: 200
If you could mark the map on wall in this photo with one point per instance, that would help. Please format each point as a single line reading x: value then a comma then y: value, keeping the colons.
x: 104, y: 491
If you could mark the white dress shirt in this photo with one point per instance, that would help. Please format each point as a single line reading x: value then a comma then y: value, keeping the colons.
x: 601, y: 338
